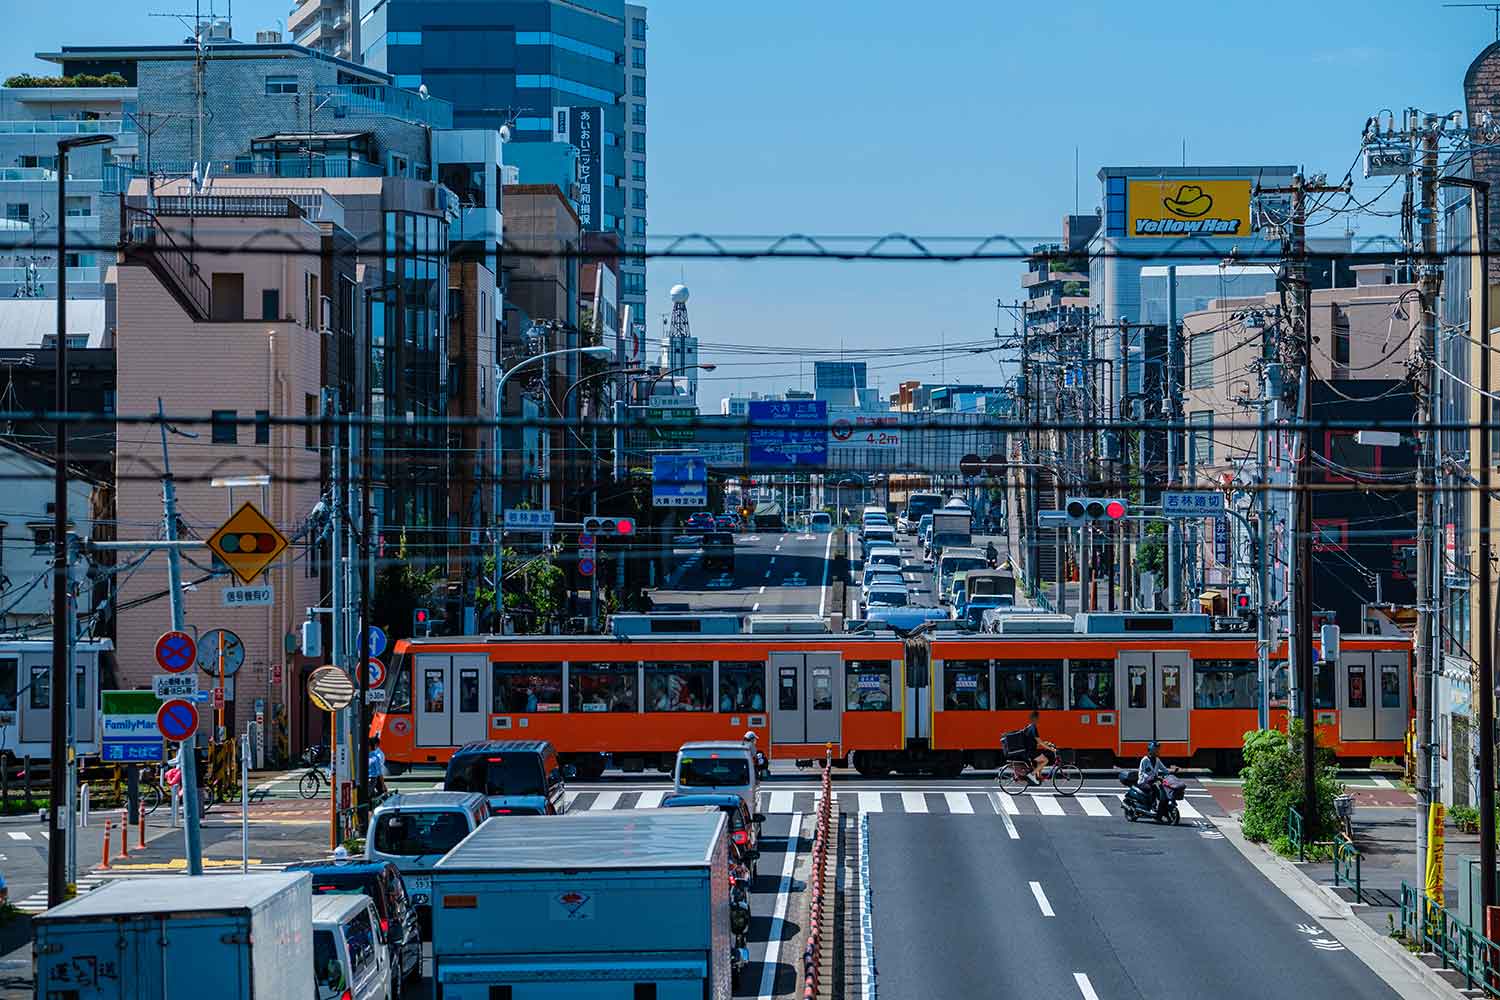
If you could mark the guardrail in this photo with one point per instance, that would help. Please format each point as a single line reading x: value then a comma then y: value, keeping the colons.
x: 1346, y: 866
x: 1294, y: 832
x: 818, y: 914
x: 1457, y: 945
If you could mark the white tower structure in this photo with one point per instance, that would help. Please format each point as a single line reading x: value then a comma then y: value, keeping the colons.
x: 679, y: 348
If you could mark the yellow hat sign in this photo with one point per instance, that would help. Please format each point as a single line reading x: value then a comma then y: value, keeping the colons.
x: 247, y: 543
x: 1189, y: 208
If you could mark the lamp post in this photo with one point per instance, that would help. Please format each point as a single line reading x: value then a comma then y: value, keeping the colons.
x: 597, y: 351
x: 60, y: 775
x: 651, y: 386
x: 1480, y: 212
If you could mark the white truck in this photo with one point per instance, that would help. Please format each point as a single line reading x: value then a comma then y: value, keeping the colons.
x: 230, y: 937
x: 950, y: 527
x: 586, y: 904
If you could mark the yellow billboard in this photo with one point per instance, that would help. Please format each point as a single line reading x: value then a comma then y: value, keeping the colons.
x: 1166, y: 207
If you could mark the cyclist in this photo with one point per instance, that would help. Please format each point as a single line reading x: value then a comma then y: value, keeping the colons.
x: 1152, y: 770
x: 1039, y: 751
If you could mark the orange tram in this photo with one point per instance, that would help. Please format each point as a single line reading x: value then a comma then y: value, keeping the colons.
x: 932, y: 701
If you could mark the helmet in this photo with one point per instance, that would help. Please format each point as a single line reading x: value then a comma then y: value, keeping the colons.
x: 1153, y: 747
x: 750, y: 737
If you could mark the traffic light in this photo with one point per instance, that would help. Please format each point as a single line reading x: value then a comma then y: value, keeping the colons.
x: 421, y: 622
x: 1082, y: 510
x: 608, y: 526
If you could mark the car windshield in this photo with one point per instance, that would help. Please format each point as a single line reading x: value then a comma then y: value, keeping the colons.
x: 889, y: 596
x: 709, y: 770
x: 718, y: 538
x: 496, y: 774
x: 411, y: 833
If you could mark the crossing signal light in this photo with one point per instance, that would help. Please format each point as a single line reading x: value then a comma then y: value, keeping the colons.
x: 1083, y: 510
x: 421, y: 622
x: 624, y: 526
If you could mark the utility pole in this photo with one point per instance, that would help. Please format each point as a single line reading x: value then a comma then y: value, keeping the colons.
x: 1169, y: 386
x: 1297, y: 351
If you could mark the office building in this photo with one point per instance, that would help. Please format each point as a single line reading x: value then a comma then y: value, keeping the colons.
x: 571, y: 71
x: 839, y: 383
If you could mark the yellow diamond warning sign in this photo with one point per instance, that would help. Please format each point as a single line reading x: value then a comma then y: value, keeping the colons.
x: 247, y: 543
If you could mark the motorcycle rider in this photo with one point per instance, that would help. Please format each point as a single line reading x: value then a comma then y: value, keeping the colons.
x: 1149, y: 774
x: 992, y: 555
x: 761, y: 764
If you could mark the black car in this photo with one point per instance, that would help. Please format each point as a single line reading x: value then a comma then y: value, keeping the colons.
x: 718, y: 550
x: 382, y: 882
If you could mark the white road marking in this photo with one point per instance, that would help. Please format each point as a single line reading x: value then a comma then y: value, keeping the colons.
x: 568, y: 799
x: 650, y: 800
x: 756, y: 607
x: 1048, y: 805
x: 958, y: 802
x: 776, y: 549
x: 771, y: 960
x: 768, y: 573
x: 606, y: 800
x: 1382, y: 782
x: 823, y: 587
x: 762, y: 589
x: 781, y: 802
x: 1188, y: 811
x: 1041, y: 899
x: 914, y: 802
x: 18, y: 835
x: 1092, y: 806
x: 869, y: 802
x: 1005, y: 803
x: 1084, y: 986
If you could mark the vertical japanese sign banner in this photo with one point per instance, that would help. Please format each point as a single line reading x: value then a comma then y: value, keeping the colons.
x: 583, y: 127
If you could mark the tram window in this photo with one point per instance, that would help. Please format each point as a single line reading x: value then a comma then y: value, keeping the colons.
x: 41, y: 687
x: 1390, y: 685
x: 468, y: 690
x: 867, y: 686
x: 1323, y: 685
x: 601, y: 687
x: 8, y: 671
x: 1137, y: 688
x: 80, y: 690
x: 1224, y: 684
x: 525, y: 687
x: 1029, y: 684
x: 786, y: 689
x: 742, y: 687
x: 822, y: 689
x: 1279, y: 683
x: 1093, y: 684
x: 678, y: 687
x: 433, y: 693
x: 966, y: 685
x: 1171, y: 686
x: 401, y: 690
x: 1358, y: 694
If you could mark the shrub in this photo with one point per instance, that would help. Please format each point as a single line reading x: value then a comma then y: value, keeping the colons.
x: 81, y: 80
x: 1273, y: 784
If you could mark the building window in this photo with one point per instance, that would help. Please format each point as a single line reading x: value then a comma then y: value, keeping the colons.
x: 637, y: 114
x: 637, y: 170
x: 638, y: 57
x: 1201, y: 361
x: 310, y: 409
x: 633, y: 284
x: 403, y: 38
x: 18, y: 212
x: 80, y: 206
x: 638, y: 199
x: 281, y: 85
x: 638, y: 142
x: 223, y: 426
x: 638, y: 28
x: 1201, y: 442
x: 270, y: 304
x: 638, y: 85
x: 262, y: 426
x: 638, y: 226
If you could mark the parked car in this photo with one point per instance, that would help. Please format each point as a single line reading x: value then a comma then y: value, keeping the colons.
x: 727, y: 522
x: 878, y: 574
x: 718, y: 550
x: 348, y: 962
x: 717, y: 766
x: 519, y: 777
x: 883, y: 556
x: 879, y: 533
x: 700, y: 522
x: 888, y: 595
x: 412, y: 830
x: 744, y: 826
x: 820, y: 522
x: 381, y: 881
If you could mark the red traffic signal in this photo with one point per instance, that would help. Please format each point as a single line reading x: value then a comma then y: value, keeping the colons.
x: 1114, y: 509
x: 1242, y: 602
x: 624, y: 526
x: 608, y: 526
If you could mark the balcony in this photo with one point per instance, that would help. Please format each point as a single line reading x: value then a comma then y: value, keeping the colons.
x: 118, y: 177
x: 245, y: 202
x: 27, y: 174
x: 373, y: 100
x: 45, y: 273
x: 38, y: 126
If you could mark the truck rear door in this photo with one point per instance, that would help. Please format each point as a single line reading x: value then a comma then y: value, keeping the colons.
x: 100, y: 961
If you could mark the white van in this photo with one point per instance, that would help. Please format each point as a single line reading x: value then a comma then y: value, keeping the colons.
x: 350, y: 959
x: 956, y: 559
x: 718, y: 766
x: 413, y: 830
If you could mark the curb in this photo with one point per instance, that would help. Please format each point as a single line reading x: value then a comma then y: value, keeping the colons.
x: 1401, y: 970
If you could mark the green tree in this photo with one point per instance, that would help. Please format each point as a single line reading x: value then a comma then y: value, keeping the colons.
x: 400, y: 588
x: 1150, y: 554
x: 1273, y: 784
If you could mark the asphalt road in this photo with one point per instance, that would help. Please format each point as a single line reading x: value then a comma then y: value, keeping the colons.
x: 774, y: 573
x: 1105, y: 909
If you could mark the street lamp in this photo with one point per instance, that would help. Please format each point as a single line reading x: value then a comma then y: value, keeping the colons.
x: 57, y: 852
x: 597, y: 351
x: 651, y: 386
x: 1479, y: 208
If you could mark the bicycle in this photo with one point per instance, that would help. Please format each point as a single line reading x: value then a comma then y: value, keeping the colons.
x: 1066, y: 776
x: 312, y: 782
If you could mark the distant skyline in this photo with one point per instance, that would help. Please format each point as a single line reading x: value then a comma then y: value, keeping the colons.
x: 879, y: 117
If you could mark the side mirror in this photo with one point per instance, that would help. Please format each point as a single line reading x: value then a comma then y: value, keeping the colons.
x: 758, y: 818
x: 569, y: 771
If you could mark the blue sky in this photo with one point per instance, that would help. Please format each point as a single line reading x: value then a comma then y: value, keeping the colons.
x: 845, y: 117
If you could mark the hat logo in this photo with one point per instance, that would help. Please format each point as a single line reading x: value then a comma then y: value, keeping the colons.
x: 1190, y: 202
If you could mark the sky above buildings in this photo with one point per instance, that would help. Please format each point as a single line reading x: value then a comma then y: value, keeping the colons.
x: 874, y: 117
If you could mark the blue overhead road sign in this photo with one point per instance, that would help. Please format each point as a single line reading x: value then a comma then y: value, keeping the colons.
x: 679, y: 481
x: 787, y: 434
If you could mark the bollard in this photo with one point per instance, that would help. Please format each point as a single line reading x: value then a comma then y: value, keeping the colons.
x: 140, y: 841
x: 124, y: 838
x: 83, y: 805
x: 104, y: 862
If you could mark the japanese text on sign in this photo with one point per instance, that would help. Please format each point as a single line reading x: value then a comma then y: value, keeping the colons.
x: 247, y: 597
x: 169, y: 686
x: 1192, y: 503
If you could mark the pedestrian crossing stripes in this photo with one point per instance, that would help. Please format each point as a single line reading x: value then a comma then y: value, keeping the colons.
x: 953, y: 803
x: 23, y: 835
x: 37, y: 901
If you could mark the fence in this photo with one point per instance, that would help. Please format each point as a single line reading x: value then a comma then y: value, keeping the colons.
x: 820, y: 916
x: 1459, y: 947
x: 1294, y: 833
x: 1346, y: 866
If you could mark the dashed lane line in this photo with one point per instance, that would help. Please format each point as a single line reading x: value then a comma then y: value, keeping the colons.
x: 1084, y: 986
x: 1041, y: 900
x: 771, y: 960
x: 958, y: 802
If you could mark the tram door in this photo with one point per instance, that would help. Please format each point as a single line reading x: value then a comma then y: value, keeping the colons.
x: 1156, y: 691
x: 1372, y: 696
x: 450, y: 699
x: 806, y: 697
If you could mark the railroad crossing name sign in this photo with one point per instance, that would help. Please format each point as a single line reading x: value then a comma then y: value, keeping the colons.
x: 330, y: 688
x: 175, y: 652
x: 247, y: 543
x: 177, y: 720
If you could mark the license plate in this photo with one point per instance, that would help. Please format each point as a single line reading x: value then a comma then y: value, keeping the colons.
x: 420, y: 883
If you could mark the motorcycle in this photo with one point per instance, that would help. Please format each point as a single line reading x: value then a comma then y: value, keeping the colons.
x: 1138, y: 803
x: 739, y: 919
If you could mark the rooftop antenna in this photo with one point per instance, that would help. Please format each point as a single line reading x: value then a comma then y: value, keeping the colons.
x: 200, y: 68
x: 1494, y: 8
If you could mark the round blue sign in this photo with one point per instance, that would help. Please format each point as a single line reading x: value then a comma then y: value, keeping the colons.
x: 177, y: 720
x: 377, y: 640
